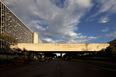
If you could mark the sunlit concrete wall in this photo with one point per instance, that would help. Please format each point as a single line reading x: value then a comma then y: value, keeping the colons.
x: 62, y: 47
x: 35, y: 37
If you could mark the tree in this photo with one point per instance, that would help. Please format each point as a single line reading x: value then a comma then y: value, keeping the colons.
x: 6, y: 40
x: 109, y: 50
x: 101, y: 52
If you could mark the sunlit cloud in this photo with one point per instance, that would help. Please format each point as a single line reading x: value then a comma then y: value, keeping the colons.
x: 49, y: 19
x: 56, y: 21
x: 105, y: 29
x: 103, y: 20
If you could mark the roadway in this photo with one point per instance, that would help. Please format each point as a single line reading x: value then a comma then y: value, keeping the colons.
x: 56, y: 68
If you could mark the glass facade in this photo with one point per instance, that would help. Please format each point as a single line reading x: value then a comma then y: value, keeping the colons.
x: 13, y: 26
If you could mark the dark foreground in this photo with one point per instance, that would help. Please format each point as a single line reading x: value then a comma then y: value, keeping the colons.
x: 56, y: 68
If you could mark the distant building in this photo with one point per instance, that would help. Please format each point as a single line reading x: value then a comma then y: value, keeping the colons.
x: 113, y: 43
x: 11, y: 25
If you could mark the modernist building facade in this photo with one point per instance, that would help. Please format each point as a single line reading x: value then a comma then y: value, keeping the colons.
x: 11, y: 25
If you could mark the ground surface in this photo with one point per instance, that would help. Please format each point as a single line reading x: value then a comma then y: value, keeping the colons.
x: 56, y: 68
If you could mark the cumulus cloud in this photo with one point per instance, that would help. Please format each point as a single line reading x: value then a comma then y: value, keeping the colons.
x: 113, y: 34
x: 92, y: 37
x: 103, y: 20
x: 48, y: 40
x: 51, y: 18
x: 105, y: 30
x: 55, y: 20
x: 107, y: 6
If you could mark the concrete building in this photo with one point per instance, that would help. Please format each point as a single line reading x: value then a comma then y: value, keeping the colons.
x: 35, y: 38
x: 11, y: 25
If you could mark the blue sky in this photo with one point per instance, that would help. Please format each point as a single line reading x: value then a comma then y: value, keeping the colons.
x: 68, y: 21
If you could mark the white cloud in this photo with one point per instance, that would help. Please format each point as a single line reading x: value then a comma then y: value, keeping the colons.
x: 113, y: 34
x: 55, y: 23
x: 92, y: 37
x: 103, y: 20
x: 107, y: 6
x: 72, y: 34
x: 48, y: 40
x: 105, y: 30
x: 81, y: 3
x: 51, y: 20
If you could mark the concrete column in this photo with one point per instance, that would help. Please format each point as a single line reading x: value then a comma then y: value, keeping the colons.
x: 62, y: 54
x: 35, y: 37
